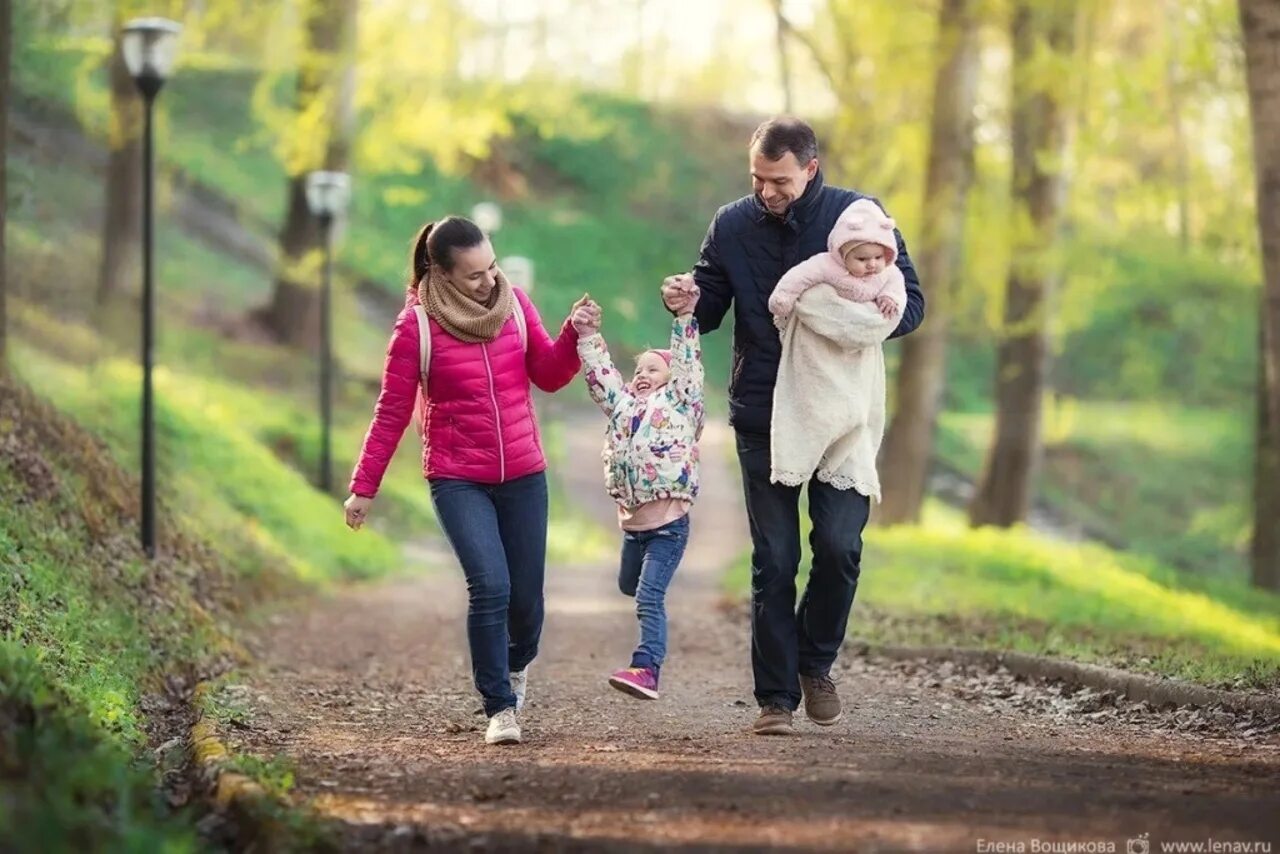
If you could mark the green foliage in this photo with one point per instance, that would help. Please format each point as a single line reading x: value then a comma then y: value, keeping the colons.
x: 275, y: 775
x: 1171, y: 482
x: 212, y: 466
x: 615, y: 196
x: 1145, y: 321
x: 87, y: 627
x: 65, y: 785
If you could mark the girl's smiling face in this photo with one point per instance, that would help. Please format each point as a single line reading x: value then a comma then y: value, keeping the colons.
x: 652, y: 373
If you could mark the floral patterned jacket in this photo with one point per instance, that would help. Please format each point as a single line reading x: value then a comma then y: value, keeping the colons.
x: 651, y: 447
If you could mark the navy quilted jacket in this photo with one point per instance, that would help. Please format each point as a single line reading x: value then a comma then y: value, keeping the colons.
x: 745, y: 252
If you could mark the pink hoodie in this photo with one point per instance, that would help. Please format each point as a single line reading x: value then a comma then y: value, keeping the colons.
x: 480, y: 423
x: 861, y: 222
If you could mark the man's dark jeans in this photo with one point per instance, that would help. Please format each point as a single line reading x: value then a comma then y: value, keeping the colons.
x: 499, y: 534
x: 786, y: 642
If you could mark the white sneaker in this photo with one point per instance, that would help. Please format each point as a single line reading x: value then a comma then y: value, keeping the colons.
x: 519, y: 685
x: 503, y: 728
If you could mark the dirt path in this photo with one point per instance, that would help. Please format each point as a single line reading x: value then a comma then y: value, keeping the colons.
x: 369, y: 694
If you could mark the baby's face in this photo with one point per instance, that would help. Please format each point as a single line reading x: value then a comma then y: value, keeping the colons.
x: 864, y: 260
x: 651, y: 374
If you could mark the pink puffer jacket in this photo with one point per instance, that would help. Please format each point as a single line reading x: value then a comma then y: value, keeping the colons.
x: 480, y: 424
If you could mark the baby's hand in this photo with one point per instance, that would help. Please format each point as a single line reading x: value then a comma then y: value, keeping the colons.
x: 780, y: 306
x: 888, y: 308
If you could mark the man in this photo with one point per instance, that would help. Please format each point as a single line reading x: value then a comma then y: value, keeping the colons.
x: 748, y: 247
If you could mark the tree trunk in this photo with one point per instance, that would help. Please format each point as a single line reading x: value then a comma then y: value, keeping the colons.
x: 1260, y: 20
x: 6, y: 60
x: 784, y: 64
x: 122, y: 207
x: 326, y: 85
x: 1039, y: 138
x: 1181, y: 149
x: 908, y: 447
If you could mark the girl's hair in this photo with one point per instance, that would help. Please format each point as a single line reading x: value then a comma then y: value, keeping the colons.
x: 435, y: 244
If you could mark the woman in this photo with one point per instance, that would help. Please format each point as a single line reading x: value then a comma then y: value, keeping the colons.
x: 482, y: 453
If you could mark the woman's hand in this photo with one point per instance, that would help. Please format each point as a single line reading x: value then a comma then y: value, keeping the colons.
x: 585, y: 316
x: 356, y: 508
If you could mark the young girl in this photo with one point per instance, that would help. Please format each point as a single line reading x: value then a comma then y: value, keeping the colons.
x: 651, y: 471
x: 834, y: 310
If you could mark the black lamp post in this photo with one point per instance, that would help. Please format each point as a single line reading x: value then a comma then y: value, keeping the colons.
x: 327, y: 197
x: 149, y: 46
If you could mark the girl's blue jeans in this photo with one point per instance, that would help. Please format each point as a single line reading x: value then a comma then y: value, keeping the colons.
x: 649, y: 561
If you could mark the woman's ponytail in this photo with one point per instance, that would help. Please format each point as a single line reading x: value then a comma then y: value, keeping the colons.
x: 420, y: 257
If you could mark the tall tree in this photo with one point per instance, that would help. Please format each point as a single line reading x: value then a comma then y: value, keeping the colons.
x: 781, y: 26
x: 325, y: 126
x: 1260, y: 20
x: 6, y: 61
x: 122, y: 207
x: 921, y: 376
x: 1176, y: 85
x: 1043, y: 35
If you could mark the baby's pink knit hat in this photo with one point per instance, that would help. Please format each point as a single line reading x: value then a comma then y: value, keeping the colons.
x: 864, y: 222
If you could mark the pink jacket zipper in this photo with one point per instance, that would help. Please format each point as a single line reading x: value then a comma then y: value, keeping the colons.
x: 497, y: 413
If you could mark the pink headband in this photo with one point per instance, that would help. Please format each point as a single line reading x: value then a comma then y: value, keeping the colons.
x: 665, y: 354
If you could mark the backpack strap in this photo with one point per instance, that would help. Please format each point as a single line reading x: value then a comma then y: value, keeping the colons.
x: 522, y: 325
x: 424, y: 344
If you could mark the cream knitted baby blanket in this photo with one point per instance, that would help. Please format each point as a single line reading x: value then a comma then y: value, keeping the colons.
x: 828, y: 406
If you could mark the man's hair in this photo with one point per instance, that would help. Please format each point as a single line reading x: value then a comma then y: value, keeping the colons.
x: 782, y: 134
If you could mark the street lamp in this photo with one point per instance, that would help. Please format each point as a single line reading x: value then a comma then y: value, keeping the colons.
x: 149, y: 47
x: 488, y: 216
x: 327, y: 196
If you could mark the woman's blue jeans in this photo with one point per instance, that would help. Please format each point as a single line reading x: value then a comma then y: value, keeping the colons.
x: 499, y: 534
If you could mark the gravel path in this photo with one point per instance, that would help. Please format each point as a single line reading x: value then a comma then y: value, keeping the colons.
x: 368, y: 693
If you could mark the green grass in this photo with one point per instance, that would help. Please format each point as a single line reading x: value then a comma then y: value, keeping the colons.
x: 1167, y: 481
x: 572, y: 537
x: 66, y: 784
x: 943, y: 583
x: 211, y: 464
x: 88, y: 627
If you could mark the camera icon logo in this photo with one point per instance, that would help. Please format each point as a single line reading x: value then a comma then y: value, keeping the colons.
x: 1139, y: 845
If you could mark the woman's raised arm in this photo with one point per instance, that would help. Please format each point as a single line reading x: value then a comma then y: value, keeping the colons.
x: 552, y: 364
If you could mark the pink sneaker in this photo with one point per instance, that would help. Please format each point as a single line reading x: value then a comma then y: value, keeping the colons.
x: 639, y: 682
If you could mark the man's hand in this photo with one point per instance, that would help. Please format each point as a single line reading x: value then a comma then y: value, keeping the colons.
x: 680, y: 293
x: 586, y: 316
x: 356, y: 510
x: 888, y: 308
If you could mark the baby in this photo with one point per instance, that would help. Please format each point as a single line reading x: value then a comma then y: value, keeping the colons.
x: 651, y: 472
x: 858, y: 264
x: 829, y: 399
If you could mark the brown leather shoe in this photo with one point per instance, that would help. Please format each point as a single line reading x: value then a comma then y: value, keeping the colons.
x: 773, y: 720
x: 821, y: 702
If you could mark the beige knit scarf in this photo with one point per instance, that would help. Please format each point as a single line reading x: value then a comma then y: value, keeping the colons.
x: 461, y: 316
